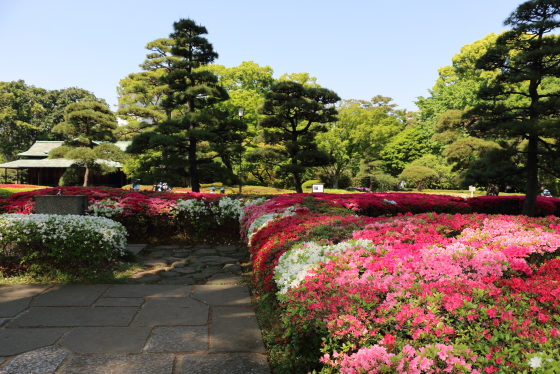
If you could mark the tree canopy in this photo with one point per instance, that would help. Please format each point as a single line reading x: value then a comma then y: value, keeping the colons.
x: 186, y: 140
x: 88, y: 127
x: 521, y: 100
x: 295, y: 114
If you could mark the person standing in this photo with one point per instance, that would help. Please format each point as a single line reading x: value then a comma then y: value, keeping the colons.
x: 545, y: 192
x: 135, y: 185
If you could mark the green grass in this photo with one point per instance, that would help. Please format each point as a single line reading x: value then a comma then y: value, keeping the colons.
x: 115, y: 275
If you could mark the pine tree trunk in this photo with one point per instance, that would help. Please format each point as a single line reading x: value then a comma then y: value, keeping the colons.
x: 532, y: 188
x: 86, y: 177
x: 492, y: 190
x: 193, y: 169
x: 297, y: 182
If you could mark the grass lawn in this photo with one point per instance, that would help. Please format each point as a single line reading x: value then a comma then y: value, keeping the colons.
x: 7, y: 189
x: 116, y: 274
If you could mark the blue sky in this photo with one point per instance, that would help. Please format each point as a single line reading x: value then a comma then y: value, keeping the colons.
x: 357, y: 48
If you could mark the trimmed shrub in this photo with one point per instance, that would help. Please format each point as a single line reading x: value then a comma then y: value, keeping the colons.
x: 512, y: 205
x: 419, y: 176
x: 76, y: 245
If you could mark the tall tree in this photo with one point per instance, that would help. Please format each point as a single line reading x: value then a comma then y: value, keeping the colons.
x: 88, y: 127
x: 20, y: 116
x: 362, y: 130
x: 185, y: 140
x: 54, y: 102
x: 141, y: 94
x: 246, y: 85
x: 522, y: 100
x: 295, y: 115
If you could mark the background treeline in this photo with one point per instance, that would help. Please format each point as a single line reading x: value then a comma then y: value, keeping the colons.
x: 490, y: 120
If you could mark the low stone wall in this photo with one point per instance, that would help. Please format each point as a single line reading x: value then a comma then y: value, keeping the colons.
x: 64, y: 205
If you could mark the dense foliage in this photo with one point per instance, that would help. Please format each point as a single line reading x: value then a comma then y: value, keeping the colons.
x: 426, y: 293
x: 75, y: 245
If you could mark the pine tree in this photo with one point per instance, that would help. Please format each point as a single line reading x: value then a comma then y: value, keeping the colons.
x: 88, y: 127
x: 185, y: 139
x: 521, y: 101
x: 295, y: 115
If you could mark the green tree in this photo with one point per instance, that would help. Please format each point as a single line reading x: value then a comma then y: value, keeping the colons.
x: 454, y: 94
x: 54, y: 103
x: 193, y: 128
x: 447, y: 179
x: 246, y: 86
x: 21, y: 114
x: 295, y: 115
x: 419, y: 176
x: 141, y: 94
x: 408, y: 145
x: 88, y: 127
x: 362, y: 130
x: 521, y: 101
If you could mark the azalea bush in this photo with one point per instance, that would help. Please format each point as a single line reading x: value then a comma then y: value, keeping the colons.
x: 428, y: 293
x: 146, y: 214
x: 512, y: 205
x: 77, y: 245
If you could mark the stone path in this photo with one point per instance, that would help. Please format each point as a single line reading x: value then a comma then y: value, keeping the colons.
x: 189, y: 265
x: 137, y: 328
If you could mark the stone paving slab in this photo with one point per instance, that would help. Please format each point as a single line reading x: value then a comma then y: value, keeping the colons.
x: 179, y: 339
x: 239, y: 322
x: 132, y: 290
x: 224, y: 279
x: 226, y: 248
x: 60, y: 316
x: 185, y: 280
x: 10, y: 306
x: 138, y: 364
x: 70, y: 295
x: 240, y: 363
x: 162, y: 262
x: 119, y: 301
x: 16, y: 341
x: 108, y: 340
x: 223, y: 295
x: 135, y: 248
x: 206, y: 252
x: 172, y: 312
x: 136, y: 329
x: 22, y: 290
x: 185, y: 270
x: 146, y: 278
x: 41, y: 361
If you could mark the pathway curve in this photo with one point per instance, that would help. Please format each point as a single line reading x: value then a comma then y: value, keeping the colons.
x: 134, y: 328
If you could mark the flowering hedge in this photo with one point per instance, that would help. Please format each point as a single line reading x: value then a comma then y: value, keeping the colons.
x: 512, y: 205
x: 426, y: 293
x: 75, y: 244
x: 146, y: 214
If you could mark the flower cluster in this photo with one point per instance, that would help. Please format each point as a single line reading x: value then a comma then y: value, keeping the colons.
x: 142, y: 213
x: 105, y: 208
x: 297, y: 263
x: 423, y: 293
x: 79, y: 242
